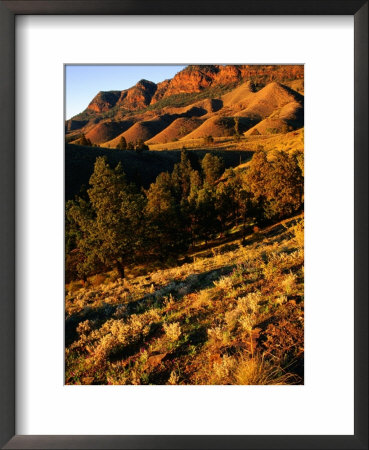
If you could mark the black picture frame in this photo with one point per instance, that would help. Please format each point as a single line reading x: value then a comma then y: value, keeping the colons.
x: 8, y: 11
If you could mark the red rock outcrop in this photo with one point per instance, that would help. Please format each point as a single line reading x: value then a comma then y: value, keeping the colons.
x: 160, y: 91
x: 104, y: 101
x: 261, y: 96
x: 138, y: 96
x: 192, y: 79
x: 196, y: 78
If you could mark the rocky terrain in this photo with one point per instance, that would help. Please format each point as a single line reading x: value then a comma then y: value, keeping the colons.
x: 197, y: 102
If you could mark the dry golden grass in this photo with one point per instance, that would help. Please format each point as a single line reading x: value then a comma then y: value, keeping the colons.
x: 296, y: 85
x: 215, y: 126
x: 106, y: 131
x: 232, y: 316
x: 269, y: 99
x: 176, y: 130
x: 239, y: 95
x: 139, y: 131
x: 257, y: 371
x: 291, y: 141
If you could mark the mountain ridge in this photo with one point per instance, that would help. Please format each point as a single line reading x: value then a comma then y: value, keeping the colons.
x: 214, y: 95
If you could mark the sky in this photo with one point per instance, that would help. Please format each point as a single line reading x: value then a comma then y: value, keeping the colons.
x: 83, y: 82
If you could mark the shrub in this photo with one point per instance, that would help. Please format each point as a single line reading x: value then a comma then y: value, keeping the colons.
x: 174, y: 378
x: 299, y: 234
x: 208, y: 140
x: 172, y: 331
x: 289, y: 283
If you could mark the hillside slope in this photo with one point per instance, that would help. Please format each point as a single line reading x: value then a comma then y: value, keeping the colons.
x: 216, y: 94
x: 232, y: 316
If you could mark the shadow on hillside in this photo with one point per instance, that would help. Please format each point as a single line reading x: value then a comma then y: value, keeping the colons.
x: 97, y: 315
x: 140, y: 168
x: 178, y: 289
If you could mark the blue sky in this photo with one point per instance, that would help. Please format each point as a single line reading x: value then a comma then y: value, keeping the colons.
x: 84, y: 82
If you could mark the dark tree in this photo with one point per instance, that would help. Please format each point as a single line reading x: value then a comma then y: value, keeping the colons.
x: 207, y: 221
x: 212, y: 167
x: 84, y: 141
x: 276, y: 184
x: 165, y: 217
x: 111, y: 225
x: 181, y: 176
x: 122, y: 145
x: 141, y: 146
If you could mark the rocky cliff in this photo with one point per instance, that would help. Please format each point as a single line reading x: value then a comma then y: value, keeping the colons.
x: 194, y: 78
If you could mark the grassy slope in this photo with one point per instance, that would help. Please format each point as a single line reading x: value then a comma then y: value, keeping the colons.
x: 293, y: 140
x: 234, y: 315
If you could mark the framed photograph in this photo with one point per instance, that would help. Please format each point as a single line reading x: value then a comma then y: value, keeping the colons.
x: 170, y: 277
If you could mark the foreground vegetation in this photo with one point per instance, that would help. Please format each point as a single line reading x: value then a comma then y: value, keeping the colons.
x: 234, y: 315
x: 115, y: 224
x: 185, y: 231
x: 220, y: 296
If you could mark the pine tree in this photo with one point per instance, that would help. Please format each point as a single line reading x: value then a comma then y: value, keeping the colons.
x: 196, y: 185
x: 84, y: 141
x: 224, y: 204
x: 122, y: 145
x: 212, y: 167
x: 276, y: 185
x: 165, y: 217
x: 181, y: 176
x: 285, y: 187
x: 140, y: 146
x: 111, y: 225
x: 207, y: 221
x: 258, y: 174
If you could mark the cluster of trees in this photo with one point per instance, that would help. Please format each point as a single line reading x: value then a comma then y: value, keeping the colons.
x: 138, y: 146
x: 185, y: 99
x: 117, y: 224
